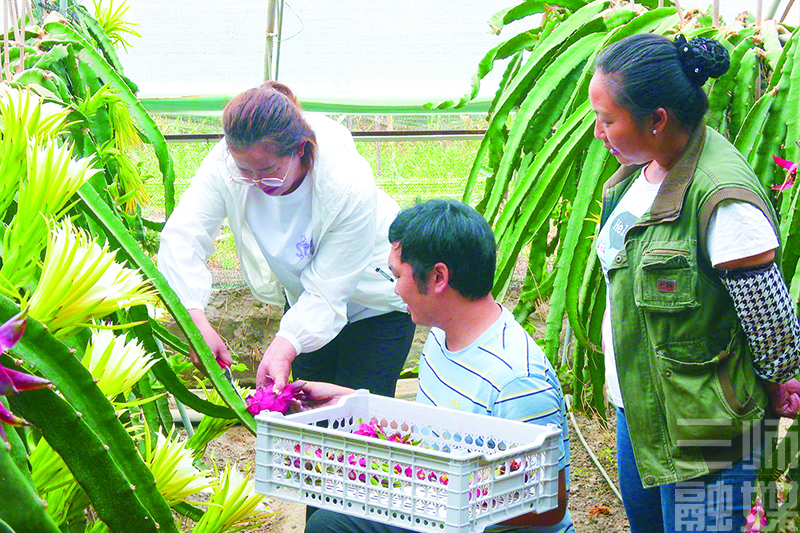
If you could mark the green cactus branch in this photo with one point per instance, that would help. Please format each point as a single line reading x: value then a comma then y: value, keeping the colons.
x: 88, y: 460
x: 21, y: 510
x: 168, y: 378
x: 119, y: 238
x: 55, y: 361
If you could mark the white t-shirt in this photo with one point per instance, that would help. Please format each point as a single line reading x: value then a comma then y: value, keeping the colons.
x: 736, y: 230
x: 282, y: 228
x: 503, y: 373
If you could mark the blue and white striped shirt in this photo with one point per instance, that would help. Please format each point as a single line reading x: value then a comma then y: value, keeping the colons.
x: 503, y: 374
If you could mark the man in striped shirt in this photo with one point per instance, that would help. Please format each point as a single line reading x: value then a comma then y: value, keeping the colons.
x: 477, y: 358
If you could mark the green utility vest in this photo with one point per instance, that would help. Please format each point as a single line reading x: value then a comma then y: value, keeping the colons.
x: 684, y: 365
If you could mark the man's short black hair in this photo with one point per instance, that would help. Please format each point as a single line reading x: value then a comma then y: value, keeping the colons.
x: 449, y: 232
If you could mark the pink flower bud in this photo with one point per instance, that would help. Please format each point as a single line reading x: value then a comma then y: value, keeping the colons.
x: 367, y: 430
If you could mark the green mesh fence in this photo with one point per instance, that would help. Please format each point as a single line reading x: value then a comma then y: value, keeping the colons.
x: 408, y: 170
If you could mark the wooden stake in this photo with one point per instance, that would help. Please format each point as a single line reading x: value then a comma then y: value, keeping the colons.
x: 786, y: 11
x: 19, y: 37
x: 6, y: 57
x: 680, y: 11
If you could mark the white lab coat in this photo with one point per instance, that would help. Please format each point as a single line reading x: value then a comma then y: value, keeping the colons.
x: 350, y: 221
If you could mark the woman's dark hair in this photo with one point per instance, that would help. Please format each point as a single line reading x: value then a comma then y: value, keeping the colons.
x: 269, y: 115
x: 449, y: 232
x: 649, y: 71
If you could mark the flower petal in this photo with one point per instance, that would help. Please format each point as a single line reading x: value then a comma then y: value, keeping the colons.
x: 782, y: 162
x: 783, y: 186
x: 10, y: 418
x: 264, y: 399
x: 11, y: 331
x: 7, y: 387
x: 23, y: 381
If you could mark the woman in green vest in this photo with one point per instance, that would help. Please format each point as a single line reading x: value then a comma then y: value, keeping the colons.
x: 700, y: 335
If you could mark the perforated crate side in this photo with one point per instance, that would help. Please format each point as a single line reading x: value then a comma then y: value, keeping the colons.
x: 450, y: 491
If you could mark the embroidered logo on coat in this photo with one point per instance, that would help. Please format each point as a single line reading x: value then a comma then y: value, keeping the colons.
x: 304, y: 248
x: 666, y: 285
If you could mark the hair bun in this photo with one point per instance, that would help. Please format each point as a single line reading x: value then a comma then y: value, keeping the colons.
x: 702, y: 58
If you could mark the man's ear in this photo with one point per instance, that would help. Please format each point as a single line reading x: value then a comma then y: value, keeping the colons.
x: 439, y: 278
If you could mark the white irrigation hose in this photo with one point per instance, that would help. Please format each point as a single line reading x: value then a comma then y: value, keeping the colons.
x: 614, y: 488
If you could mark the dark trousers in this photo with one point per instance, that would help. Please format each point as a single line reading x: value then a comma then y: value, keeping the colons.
x: 367, y: 354
x: 718, y: 502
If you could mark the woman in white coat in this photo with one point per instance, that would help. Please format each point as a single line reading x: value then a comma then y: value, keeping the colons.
x: 306, y: 215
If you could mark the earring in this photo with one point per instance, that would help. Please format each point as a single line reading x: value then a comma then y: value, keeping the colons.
x: 655, y: 132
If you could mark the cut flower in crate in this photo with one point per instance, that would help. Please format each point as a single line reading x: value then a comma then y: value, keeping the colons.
x: 374, y: 429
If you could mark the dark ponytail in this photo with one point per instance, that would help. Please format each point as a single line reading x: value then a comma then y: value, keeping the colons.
x: 647, y: 71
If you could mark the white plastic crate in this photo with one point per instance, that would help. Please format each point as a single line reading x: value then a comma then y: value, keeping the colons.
x: 467, y: 472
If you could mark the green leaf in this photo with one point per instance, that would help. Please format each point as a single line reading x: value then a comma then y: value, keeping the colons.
x: 527, y: 8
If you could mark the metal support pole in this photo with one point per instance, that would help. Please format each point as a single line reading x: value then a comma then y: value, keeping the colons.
x: 273, y: 39
x: 187, y: 423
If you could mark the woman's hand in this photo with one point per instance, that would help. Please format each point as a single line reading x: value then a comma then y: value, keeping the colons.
x: 277, y: 364
x: 212, y: 338
x: 784, y: 398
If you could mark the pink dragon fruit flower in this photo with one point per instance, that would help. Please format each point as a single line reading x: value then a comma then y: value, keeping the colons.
x: 366, y: 430
x: 756, y: 519
x: 265, y: 398
x: 791, y: 173
x: 13, y: 381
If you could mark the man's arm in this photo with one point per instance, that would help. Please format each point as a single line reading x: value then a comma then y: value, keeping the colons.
x: 536, y: 399
x: 548, y: 518
x: 321, y: 394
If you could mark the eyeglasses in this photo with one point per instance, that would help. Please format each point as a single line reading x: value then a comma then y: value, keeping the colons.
x: 249, y: 177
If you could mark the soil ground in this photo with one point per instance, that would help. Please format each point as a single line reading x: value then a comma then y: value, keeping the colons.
x: 248, y: 326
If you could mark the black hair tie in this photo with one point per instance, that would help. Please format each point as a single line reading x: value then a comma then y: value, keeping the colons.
x: 701, y: 58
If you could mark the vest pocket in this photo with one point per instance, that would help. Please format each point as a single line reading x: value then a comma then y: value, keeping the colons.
x: 666, y: 281
x: 700, y: 405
